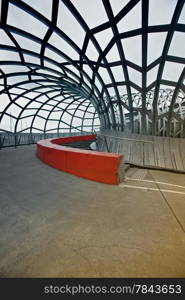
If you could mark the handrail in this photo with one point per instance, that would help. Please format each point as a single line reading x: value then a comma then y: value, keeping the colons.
x: 115, y: 137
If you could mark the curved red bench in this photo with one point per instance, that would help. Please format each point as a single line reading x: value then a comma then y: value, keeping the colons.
x: 98, y: 166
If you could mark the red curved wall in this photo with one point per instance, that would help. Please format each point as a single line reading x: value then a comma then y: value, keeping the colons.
x: 98, y: 166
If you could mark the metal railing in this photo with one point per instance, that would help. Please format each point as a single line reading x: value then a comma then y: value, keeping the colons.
x: 10, y: 139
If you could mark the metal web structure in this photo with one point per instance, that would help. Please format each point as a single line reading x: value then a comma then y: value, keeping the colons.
x: 71, y: 66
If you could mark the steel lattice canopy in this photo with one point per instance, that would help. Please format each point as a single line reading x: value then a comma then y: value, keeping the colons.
x: 78, y: 65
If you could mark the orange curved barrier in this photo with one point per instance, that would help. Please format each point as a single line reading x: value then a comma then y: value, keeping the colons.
x: 93, y: 165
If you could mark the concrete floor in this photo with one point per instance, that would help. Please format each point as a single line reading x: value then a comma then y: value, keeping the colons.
x: 57, y: 225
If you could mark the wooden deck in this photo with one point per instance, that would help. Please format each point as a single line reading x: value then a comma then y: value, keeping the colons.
x: 146, y: 151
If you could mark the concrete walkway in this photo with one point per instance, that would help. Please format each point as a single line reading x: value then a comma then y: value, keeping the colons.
x: 57, y: 225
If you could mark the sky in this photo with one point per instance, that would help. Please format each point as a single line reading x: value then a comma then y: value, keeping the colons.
x: 94, y: 14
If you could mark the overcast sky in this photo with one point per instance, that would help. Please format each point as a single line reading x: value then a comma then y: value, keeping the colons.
x: 94, y: 14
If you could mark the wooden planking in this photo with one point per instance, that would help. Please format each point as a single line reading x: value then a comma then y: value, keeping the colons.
x: 167, y: 154
x: 108, y: 143
x: 178, y: 157
x: 161, y: 152
x: 151, y: 154
x: 118, y: 147
x: 175, y: 154
x: 182, y: 152
x: 137, y: 155
x: 125, y: 149
x: 148, y: 159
